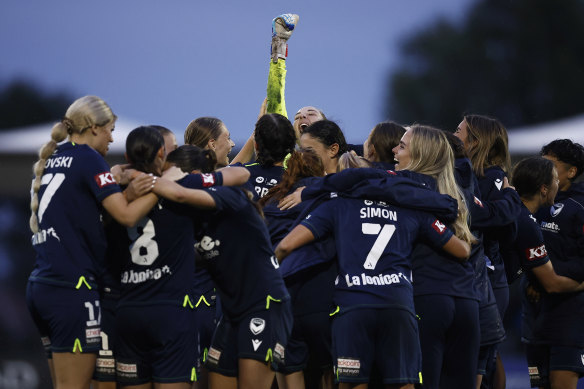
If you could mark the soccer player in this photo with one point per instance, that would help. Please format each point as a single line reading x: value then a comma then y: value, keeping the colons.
x: 253, y: 332
x: 73, y: 185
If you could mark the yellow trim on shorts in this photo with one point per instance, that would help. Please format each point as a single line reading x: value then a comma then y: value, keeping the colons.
x: 187, y: 301
x: 77, y: 346
x: 270, y: 298
x: 203, y: 299
x: 82, y: 281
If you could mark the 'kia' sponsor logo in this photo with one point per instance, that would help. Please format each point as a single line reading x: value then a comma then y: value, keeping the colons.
x: 438, y: 226
x: 104, y: 179
x: 536, y: 252
x: 208, y: 180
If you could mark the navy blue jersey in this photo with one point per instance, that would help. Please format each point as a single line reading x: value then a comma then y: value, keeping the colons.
x: 158, y: 265
x: 234, y: 242
x: 490, y: 184
x: 384, y: 165
x: 562, y: 226
x: 262, y: 178
x: 71, y: 240
x: 528, y: 250
x: 405, y: 189
x: 118, y: 241
x: 374, y: 241
x: 281, y: 222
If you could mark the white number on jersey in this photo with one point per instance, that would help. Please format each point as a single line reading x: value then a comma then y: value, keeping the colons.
x: 53, y: 182
x: 383, y: 237
x: 144, y: 248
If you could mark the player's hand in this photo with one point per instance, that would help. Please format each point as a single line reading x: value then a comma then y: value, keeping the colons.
x: 139, y: 186
x: 292, y: 200
x: 532, y: 294
x: 506, y: 183
x: 118, y: 173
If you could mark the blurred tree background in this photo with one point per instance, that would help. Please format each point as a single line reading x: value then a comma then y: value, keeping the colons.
x: 22, y: 103
x: 521, y: 61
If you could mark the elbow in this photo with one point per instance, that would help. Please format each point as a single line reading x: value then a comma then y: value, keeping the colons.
x: 281, y: 252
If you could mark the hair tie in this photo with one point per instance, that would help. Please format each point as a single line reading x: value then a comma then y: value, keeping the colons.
x: 68, y: 123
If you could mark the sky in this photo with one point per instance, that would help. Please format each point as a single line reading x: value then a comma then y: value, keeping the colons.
x: 169, y: 62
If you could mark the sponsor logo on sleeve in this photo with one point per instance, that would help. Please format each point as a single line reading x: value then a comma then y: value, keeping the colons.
x: 104, y: 179
x: 257, y: 325
x: 208, y: 180
x: 348, y: 366
x: 438, y: 226
x: 498, y: 183
x: 536, y: 253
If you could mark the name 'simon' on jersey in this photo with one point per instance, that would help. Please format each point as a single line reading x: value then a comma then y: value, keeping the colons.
x: 368, y: 212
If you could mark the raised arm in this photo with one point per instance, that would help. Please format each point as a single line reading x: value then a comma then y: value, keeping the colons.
x: 296, y: 238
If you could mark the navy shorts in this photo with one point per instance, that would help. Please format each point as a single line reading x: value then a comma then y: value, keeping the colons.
x: 155, y: 344
x: 206, y: 324
x: 386, y: 338
x: 260, y: 335
x: 541, y: 359
x: 68, y: 319
x: 105, y: 365
x: 310, y: 343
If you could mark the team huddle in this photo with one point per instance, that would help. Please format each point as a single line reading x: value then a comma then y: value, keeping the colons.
x: 304, y: 261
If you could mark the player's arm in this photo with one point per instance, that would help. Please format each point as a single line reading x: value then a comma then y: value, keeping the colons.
x: 172, y: 191
x: 457, y: 247
x: 554, y: 283
x: 234, y: 175
x: 128, y: 214
x: 296, y: 238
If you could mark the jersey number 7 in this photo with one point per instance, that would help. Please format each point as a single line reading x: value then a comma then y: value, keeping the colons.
x: 384, y: 235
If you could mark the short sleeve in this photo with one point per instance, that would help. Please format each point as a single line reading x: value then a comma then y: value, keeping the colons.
x: 321, y: 221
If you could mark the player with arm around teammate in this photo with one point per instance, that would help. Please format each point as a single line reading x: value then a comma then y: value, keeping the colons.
x: 374, y: 241
x: 252, y: 334
x: 72, y: 186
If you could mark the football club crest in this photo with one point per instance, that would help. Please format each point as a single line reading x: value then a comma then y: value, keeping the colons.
x: 556, y: 209
x: 257, y: 325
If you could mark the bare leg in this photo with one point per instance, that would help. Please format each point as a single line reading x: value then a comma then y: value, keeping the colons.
x: 563, y: 379
x: 142, y: 386
x: 73, y: 371
x: 499, y: 379
x: 52, y: 371
x: 103, y: 385
x: 219, y: 381
x: 255, y: 374
x: 479, y: 380
x: 174, y: 385
x: 290, y: 381
x: 348, y: 385
x: 328, y: 379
